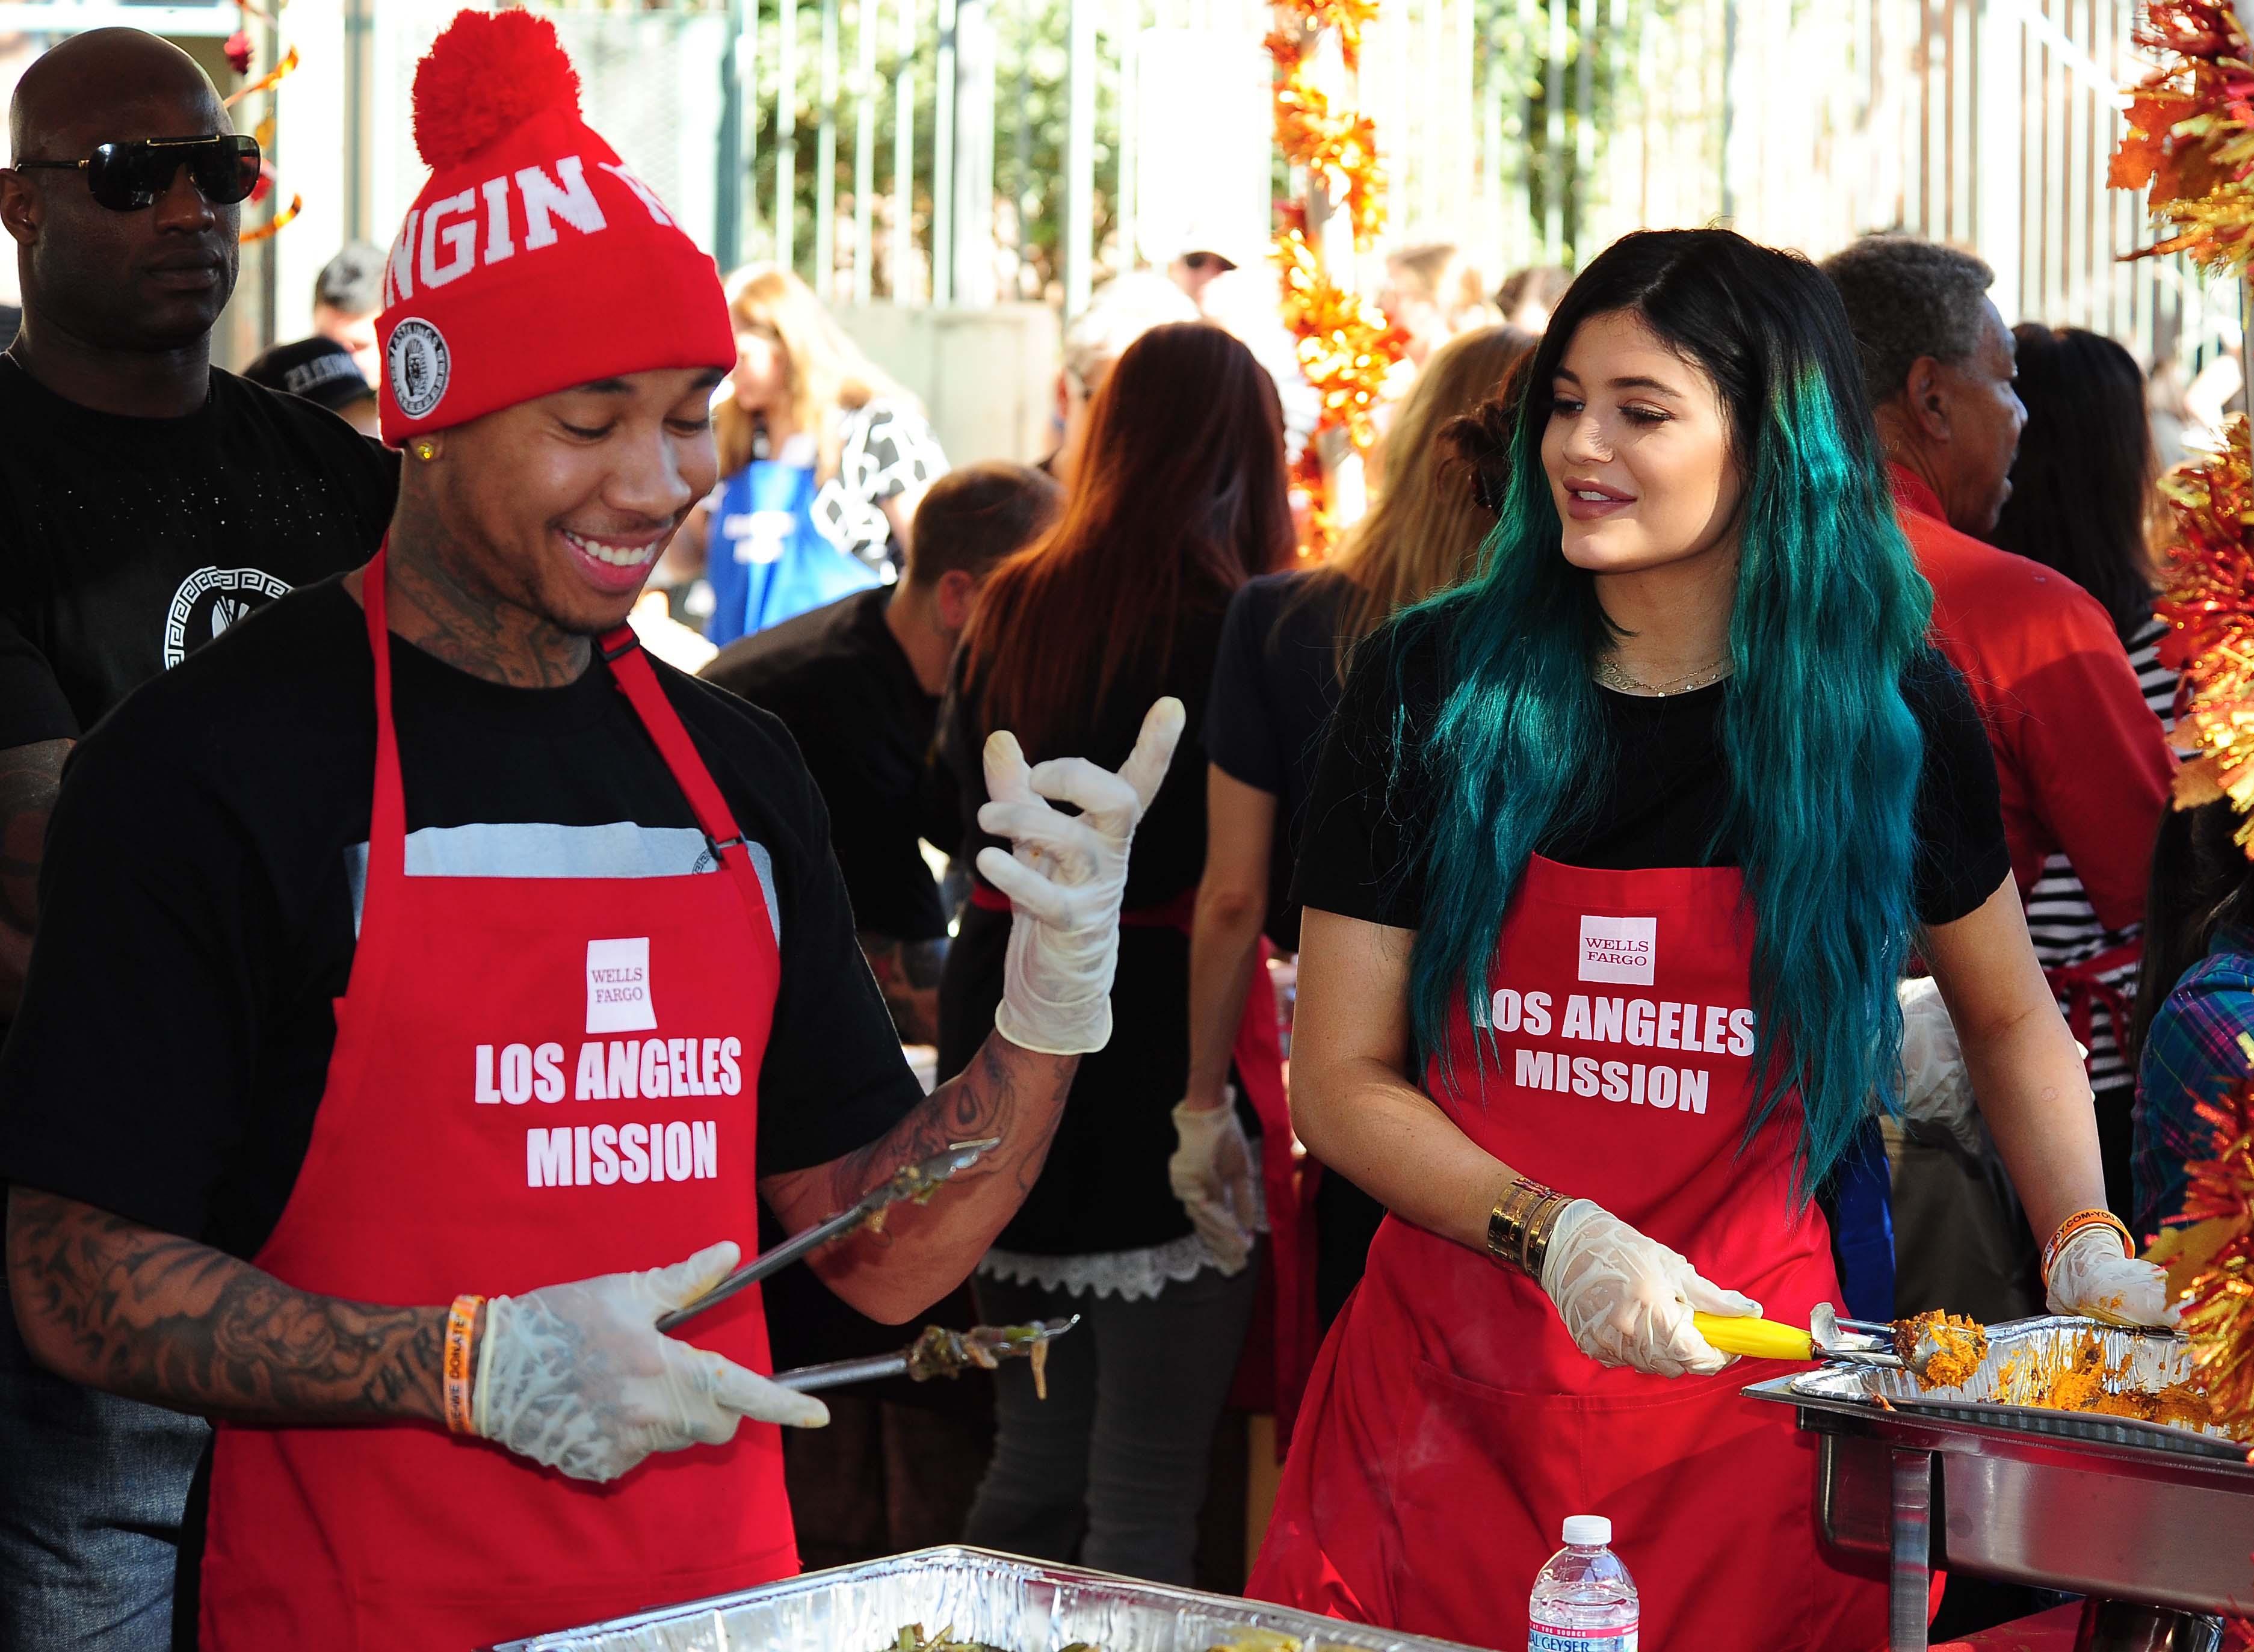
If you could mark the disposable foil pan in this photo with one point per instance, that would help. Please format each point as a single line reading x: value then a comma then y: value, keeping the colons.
x: 1998, y: 1394
x: 1022, y: 1605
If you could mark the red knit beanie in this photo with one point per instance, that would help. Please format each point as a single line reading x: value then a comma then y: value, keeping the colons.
x: 533, y: 261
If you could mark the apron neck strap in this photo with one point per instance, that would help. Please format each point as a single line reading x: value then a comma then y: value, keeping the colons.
x: 621, y: 654
x: 387, y: 821
x: 629, y: 667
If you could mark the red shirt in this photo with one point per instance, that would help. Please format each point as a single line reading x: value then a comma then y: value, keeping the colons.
x: 2081, y: 761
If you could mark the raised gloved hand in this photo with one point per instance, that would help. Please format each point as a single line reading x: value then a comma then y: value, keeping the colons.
x: 1211, y: 1173
x: 1626, y: 1299
x: 1066, y: 878
x: 2093, y: 1274
x: 576, y: 1375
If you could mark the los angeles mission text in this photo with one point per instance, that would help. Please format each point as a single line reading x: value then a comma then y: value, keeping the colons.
x: 614, y: 1070
x: 1710, y: 1029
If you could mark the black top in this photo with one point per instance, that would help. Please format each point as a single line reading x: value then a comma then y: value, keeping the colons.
x: 838, y: 680
x: 1275, y: 686
x: 1104, y: 1186
x: 1659, y: 807
x: 202, y: 879
x: 126, y: 542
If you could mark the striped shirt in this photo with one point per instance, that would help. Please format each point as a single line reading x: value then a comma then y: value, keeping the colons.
x: 2061, y: 920
x: 2201, y: 1042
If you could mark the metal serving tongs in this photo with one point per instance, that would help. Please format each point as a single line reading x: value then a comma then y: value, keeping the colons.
x: 918, y: 1182
x: 938, y: 1352
x: 1830, y: 1340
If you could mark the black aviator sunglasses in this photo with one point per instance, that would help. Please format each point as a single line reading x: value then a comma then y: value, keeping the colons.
x: 128, y: 177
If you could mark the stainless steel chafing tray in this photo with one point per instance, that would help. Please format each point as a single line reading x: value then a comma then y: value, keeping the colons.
x: 1970, y: 1479
x: 1022, y: 1605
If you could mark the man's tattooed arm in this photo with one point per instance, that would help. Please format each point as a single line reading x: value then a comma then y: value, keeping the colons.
x: 30, y: 778
x: 907, y: 974
x: 116, y: 1305
x: 924, y: 1251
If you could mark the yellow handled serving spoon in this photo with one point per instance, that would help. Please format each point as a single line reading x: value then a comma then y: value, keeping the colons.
x: 1915, y: 1344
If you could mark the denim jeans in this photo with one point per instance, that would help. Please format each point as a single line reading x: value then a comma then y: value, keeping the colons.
x: 92, y: 1491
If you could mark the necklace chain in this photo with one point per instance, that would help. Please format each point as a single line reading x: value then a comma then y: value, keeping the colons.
x: 1705, y: 676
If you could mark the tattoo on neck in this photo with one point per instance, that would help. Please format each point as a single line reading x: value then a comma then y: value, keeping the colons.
x: 438, y: 607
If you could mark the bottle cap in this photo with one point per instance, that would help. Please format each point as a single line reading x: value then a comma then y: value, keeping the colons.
x: 1588, y: 1531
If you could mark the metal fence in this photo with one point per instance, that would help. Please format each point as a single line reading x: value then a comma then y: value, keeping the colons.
x: 960, y: 152
x: 1526, y: 130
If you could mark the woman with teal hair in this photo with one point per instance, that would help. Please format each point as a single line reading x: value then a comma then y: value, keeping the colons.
x: 1615, y: 859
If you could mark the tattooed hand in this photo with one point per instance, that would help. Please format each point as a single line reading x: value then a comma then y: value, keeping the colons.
x: 116, y: 1305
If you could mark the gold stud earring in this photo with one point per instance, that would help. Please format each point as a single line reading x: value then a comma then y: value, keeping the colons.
x: 425, y: 451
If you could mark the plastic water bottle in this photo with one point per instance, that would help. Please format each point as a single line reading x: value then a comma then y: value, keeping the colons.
x: 1584, y: 1599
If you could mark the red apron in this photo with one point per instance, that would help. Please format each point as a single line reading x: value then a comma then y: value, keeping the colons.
x: 1451, y: 1425
x: 535, y: 1079
x: 1287, y: 1182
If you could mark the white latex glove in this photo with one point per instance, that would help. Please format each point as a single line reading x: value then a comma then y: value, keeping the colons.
x: 1937, y: 1090
x: 1211, y: 1173
x: 577, y: 1377
x: 2092, y: 1275
x: 1065, y: 880
x: 1627, y: 1299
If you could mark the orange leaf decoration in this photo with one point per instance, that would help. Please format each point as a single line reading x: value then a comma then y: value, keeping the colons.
x: 2190, y: 135
x: 2208, y: 602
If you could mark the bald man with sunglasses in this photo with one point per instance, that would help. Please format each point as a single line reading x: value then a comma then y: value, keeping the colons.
x: 148, y: 501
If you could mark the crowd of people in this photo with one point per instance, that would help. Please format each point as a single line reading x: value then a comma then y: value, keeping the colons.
x: 1777, y: 637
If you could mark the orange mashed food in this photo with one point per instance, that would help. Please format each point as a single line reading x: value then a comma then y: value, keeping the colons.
x: 2082, y: 1379
x: 1955, y: 1347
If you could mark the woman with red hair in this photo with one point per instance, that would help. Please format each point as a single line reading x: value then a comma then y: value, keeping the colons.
x: 1179, y: 498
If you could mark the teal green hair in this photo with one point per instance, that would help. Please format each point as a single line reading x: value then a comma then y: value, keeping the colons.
x: 1823, y: 753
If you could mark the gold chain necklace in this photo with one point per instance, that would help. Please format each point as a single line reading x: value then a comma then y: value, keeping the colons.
x: 1705, y: 676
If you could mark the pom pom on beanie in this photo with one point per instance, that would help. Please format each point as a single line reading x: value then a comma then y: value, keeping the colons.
x: 486, y: 74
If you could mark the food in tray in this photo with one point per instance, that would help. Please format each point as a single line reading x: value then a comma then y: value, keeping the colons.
x: 1942, y: 1349
x: 2079, y: 1378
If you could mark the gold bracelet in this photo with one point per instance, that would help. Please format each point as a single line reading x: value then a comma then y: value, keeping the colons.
x: 2076, y: 1223
x: 1539, y: 1231
x: 461, y: 1323
x: 1518, y: 1228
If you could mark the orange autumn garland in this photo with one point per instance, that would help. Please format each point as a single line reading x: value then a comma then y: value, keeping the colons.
x: 1346, y: 348
x: 2190, y: 139
x: 2207, y: 601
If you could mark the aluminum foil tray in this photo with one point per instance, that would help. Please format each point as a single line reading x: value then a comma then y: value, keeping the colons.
x: 1024, y: 1605
x: 1993, y: 1398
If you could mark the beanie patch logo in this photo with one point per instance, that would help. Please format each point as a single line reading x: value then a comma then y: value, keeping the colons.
x: 416, y: 367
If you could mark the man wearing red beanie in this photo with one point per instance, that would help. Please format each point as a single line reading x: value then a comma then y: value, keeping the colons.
x: 479, y: 952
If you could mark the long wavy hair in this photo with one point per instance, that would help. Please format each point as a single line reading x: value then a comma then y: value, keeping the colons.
x: 1179, y: 497
x: 1424, y: 532
x: 1823, y: 753
x: 828, y: 372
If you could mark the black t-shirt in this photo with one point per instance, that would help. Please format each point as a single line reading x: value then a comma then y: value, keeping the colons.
x: 1667, y: 790
x: 198, y: 901
x: 838, y: 680
x: 126, y: 542
x: 1275, y: 686
x: 1105, y: 1185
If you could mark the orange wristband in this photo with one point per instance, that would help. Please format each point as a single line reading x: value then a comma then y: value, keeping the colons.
x: 2076, y: 1223
x: 461, y: 1324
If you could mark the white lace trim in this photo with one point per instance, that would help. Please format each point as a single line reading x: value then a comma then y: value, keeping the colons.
x: 1129, y: 1275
